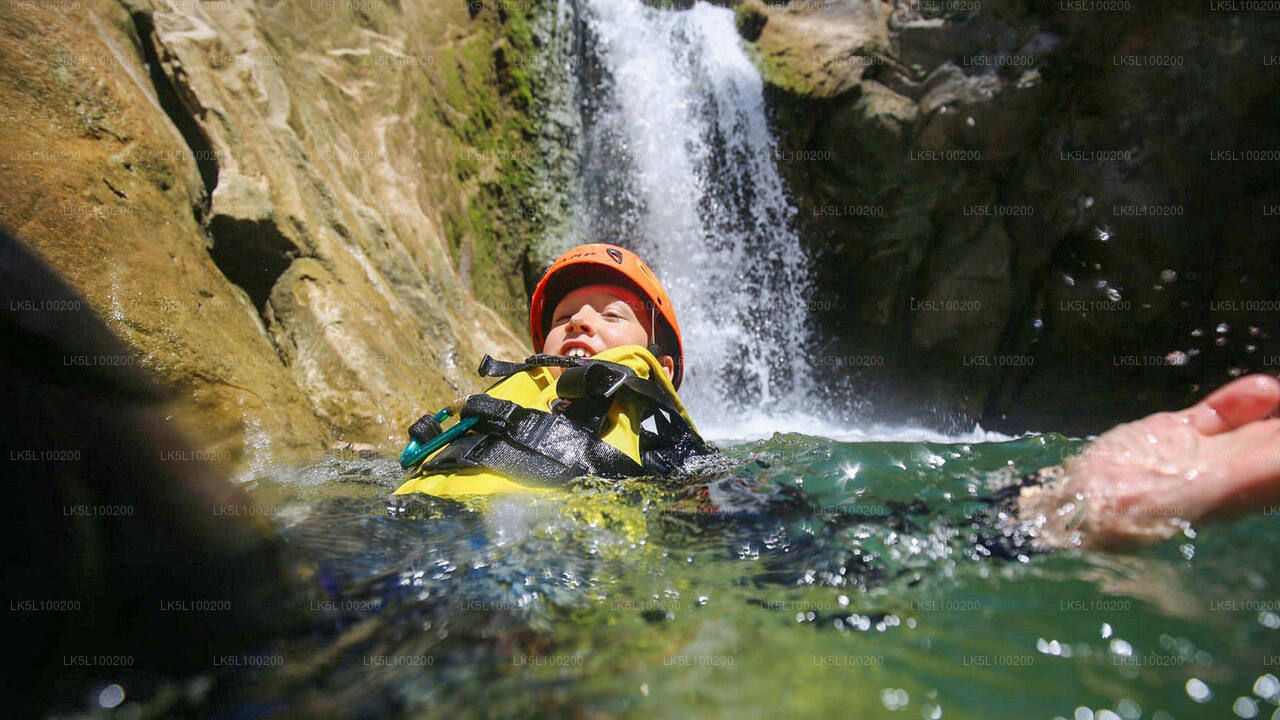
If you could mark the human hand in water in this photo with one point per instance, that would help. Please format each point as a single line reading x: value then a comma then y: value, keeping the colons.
x: 1145, y: 481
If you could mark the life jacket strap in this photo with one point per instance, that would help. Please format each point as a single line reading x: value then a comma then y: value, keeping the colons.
x: 551, y: 448
x: 531, y: 446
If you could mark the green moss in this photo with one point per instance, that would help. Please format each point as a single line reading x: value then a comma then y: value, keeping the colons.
x: 486, y: 102
x: 465, y: 165
x: 778, y: 74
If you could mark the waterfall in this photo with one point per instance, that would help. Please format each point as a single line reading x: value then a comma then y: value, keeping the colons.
x: 659, y: 143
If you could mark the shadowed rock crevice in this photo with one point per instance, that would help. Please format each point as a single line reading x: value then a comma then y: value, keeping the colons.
x: 171, y: 102
x: 244, y: 241
x: 252, y: 254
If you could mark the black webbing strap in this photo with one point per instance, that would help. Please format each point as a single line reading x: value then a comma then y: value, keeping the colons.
x: 492, y: 367
x: 489, y: 367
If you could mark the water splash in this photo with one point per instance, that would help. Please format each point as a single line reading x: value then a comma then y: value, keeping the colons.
x: 258, y: 456
x: 764, y: 426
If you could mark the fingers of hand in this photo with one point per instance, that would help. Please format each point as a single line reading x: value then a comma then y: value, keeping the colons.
x: 1236, y: 404
x: 1249, y: 463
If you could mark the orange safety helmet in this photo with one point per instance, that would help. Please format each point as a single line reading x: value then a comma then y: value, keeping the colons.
x: 609, y: 265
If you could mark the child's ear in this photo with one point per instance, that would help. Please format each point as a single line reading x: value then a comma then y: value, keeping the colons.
x: 668, y: 364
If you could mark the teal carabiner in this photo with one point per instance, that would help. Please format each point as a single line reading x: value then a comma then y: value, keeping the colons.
x: 414, y: 452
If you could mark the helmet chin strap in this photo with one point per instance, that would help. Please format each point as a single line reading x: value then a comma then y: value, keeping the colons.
x: 653, y: 326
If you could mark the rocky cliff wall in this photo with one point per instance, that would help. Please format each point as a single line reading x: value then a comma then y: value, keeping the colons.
x: 307, y: 216
x: 1038, y: 214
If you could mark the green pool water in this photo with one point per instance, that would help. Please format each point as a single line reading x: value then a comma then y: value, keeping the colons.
x: 802, y: 578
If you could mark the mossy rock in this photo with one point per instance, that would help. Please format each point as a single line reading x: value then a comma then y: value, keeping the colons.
x: 750, y: 20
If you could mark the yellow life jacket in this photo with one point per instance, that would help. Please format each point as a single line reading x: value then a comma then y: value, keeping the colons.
x: 535, y: 388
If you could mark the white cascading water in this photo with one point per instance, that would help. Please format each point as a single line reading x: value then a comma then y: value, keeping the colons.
x: 658, y: 141
x: 677, y: 162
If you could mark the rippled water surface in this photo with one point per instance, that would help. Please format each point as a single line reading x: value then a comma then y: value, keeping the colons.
x: 805, y: 577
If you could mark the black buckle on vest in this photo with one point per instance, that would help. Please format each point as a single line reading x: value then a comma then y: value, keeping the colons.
x: 595, y: 381
x: 489, y: 409
x: 426, y: 428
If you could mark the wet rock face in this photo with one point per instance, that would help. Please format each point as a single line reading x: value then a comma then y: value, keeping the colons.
x: 1040, y: 216
x: 294, y: 212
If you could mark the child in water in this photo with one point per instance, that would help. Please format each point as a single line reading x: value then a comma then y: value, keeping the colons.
x: 1137, y: 483
x: 599, y: 397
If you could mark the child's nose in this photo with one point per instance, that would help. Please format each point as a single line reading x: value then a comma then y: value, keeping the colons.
x: 583, y: 320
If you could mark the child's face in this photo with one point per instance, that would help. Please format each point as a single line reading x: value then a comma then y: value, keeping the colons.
x: 594, y: 318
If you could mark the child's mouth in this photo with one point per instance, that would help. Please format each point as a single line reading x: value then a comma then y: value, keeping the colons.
x: 576, y: 352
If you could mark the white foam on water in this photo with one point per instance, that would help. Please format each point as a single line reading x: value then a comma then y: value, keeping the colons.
x: 761, y: 427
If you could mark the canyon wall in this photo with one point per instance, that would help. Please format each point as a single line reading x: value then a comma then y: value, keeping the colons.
x: 308, y: 218
x: 1051, y: 215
